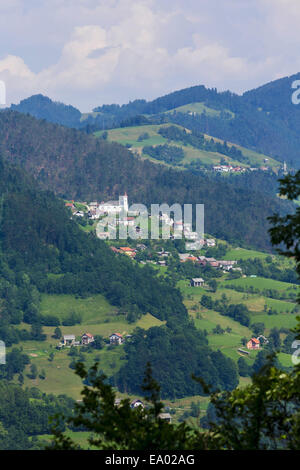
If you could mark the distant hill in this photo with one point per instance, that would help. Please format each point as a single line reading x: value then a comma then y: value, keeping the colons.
x: 138, y: 138
x: 38, y: 238
x: 81, y: 167
x: 43, y: 107
x: 263, y: 120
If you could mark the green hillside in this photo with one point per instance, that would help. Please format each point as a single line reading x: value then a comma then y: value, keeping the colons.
x: 132, y: 137
x: 84, y: 168
x: 200, y: 108
x: 98, y: 318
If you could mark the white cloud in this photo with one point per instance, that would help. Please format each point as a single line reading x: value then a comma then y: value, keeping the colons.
x: 87, y: 52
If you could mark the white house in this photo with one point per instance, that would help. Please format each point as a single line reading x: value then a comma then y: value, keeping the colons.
x: 114, y: 207
x: 136, y: 403
x: 165, y: 417
x: 197, y: 282
x: 68, y: 340
x: 87, y: 338
x: 116, y: 338
x: 210, y: 242
x: 184, y: 256
x: 227, y: 265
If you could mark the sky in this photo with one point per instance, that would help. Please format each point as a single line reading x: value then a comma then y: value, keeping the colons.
x: 92, y: 52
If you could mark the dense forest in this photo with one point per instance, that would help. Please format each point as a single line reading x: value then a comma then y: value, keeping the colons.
x: 43, y: 107
x: 168, y: 153
x: 175, y: 355
x: 81, y: 167
x: 43, y: 250
x: 196, y: 139
x: 263, y: 119
x: 24, y: 415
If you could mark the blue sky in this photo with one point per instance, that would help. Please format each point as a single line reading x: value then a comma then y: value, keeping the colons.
x: 90, y: 52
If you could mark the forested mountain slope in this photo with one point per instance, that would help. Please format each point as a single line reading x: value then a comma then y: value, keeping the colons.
x: 81, y: 167
x: 43, y: 107
x: 44, y: 251
x: 37, y: 238
x: 264, y: 119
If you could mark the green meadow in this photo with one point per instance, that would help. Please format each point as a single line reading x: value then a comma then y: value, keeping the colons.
x: 98, y: 318
x: 242, y: 253
x: 261, y: 283
x: 258, y: 305
x: 130, y: 136
x: 198, y: 108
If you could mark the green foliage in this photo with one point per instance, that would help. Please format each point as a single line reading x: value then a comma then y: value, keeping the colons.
x: 263, y: 415
x: 245, y: 370
x: 175, y: 353
x: 42, y: 107
x: 197, y: 140
x: 239, y: 312
x: 57, y: 333
x: 24, y: 414
x: 166, y: 153
x: 96, y: 169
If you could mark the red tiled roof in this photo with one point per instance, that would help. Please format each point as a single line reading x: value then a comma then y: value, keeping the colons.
x: 255, y: 340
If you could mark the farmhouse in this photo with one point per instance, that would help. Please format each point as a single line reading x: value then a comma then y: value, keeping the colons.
x: 87, y: 338
x: 68, y: 340
x: 114, y: 249
x: 253, y: 343
x: 116, y: 338
x: 214, y: 264
x: 210, y: 242
x: 165, y: 417
x: 136, y: 403
x: 197, y: 282
x: 128, y: 251
x: 227, y: 265
x: 79, y: 214
x: 183, y: 257
x: 114, y: 207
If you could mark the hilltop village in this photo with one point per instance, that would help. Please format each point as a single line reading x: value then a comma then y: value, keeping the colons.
x: 203, y: 262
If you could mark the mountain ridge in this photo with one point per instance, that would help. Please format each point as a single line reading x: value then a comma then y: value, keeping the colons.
x: 265, y: 120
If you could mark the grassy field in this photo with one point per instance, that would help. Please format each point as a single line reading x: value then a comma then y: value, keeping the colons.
x: 198, y: 108
x: 262, y: 283
x: 80, y: 438
x: 130, y: 136
x: 94, y: 309
x: 229, y: 342
x: 98, y: 318
x: 276, y: 321
x: 242, y: 253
